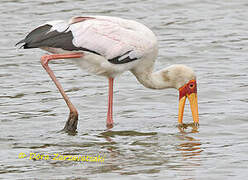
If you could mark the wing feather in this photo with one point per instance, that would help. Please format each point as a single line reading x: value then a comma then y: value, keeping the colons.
x: 118, y: 40
x: 109, y: 38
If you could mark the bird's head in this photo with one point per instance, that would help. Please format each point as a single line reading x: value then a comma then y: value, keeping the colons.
x: 183, y: 78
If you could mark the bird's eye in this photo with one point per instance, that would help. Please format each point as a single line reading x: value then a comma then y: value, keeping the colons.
x: 191, y: 85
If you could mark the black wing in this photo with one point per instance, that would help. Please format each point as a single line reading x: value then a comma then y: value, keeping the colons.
x: 44, y: 37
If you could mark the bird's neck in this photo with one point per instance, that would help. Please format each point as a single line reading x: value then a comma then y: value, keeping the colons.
x: 152, y: 80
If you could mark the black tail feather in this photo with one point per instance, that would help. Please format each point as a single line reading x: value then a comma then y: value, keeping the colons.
x: 44, y: 37
x: 35, y: 38
x: 20, y: 42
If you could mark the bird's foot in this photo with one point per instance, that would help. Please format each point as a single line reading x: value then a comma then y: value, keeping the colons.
x: 109, y: 122
x: 109, y: 125
x: 71, y: 124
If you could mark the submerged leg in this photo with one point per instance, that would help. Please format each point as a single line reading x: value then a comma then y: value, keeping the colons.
x: 110, y: 122
x: 71, y: 124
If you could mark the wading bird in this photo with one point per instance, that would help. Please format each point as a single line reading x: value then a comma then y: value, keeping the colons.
x: 108, y: 46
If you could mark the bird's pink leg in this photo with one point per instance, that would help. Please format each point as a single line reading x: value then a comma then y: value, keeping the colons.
x: 110, y: 122
x: 71, y: 124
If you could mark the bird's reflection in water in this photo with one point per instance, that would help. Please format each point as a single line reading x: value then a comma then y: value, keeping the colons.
x: 189, y: 146
x: 107, y: 136
x: 110, y: 134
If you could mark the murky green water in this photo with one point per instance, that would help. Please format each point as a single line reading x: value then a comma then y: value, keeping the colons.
x: 210, y: 36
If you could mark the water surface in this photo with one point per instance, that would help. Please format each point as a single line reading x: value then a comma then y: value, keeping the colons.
x: 210, y: 36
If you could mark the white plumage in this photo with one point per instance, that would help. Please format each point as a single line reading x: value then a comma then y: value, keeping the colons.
x: 108, y: 46
x: 110, y: 37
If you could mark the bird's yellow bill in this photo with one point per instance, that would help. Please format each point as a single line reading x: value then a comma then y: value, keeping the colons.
x: 193, y: 105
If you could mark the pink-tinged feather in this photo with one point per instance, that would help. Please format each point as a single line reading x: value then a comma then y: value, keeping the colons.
x: 112, y: 37
x: 79, y: 19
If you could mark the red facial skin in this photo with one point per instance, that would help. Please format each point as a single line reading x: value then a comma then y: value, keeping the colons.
x: 188, y: 88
